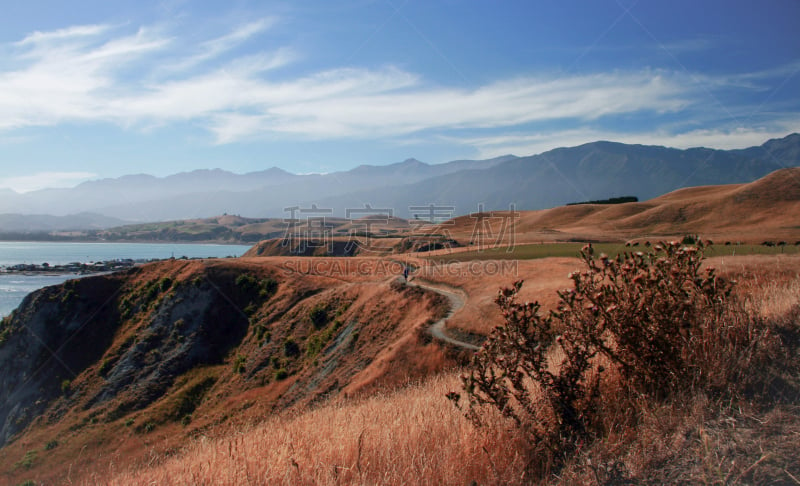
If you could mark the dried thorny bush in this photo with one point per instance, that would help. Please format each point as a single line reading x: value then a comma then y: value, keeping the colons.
x: 638, y: 327
x: 648, y: 313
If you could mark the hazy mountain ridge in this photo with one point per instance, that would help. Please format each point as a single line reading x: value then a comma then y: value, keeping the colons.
x: 591, y: 171
x: 594, y: 170
x: 27, y: 223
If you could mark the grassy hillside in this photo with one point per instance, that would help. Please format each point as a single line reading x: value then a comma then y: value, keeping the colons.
x: 737, y: 215
x: 182, y: 349
x: 416, y: 436
x: 324, y: 370
x: 767, y: 209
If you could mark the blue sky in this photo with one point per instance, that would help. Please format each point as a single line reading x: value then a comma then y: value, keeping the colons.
x: 94, y: 89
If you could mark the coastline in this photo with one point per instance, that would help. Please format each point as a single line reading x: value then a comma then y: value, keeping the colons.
x: 85, y: 258
x: 76, y: 268
x: 18, y: 238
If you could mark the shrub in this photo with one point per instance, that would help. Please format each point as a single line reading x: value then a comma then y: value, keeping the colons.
x: 319, y: 340
x: 247, y: 283
x: 654, y: 319
x: 165, y: 284
x: 281, y: 374
x: 319, y: 316
x: 690, y: 239
x: 290, y: 348
x: 251, y: 287
x: 268, y: 288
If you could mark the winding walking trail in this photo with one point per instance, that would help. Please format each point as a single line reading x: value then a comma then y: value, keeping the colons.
x: 437, y: 329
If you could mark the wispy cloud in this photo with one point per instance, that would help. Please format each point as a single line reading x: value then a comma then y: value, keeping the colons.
x: 367, y: 104
x: 107, y: 74
x: 43, y: 180
x: 64, y: 77
x: 214, y: 48
x: 60, y: 35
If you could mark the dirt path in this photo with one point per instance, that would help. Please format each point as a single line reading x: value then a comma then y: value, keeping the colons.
x: 438, y: 329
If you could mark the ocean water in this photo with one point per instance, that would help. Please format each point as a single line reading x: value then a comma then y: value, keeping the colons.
x: 14, y: 287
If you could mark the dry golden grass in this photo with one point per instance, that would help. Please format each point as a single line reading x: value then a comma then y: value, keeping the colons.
x: 480, y: 281
x: 391, y: 350
x: 771, y: 283
x: 413, y: 436
x: 696, y: 440
x: 768, y: 208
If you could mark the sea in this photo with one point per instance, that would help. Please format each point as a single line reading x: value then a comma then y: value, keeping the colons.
x: 14, y: 287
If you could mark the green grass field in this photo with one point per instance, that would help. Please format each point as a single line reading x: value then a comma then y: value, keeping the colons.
x: 531, y: 252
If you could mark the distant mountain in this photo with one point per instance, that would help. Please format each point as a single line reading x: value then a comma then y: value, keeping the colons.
x: 778, y: 149
x: 37, y: 223
x: 93, y: 196
x: 597, y: 170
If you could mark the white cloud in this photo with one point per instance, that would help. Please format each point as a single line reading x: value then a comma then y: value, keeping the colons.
x: 42, y: 180
x: 361, y: 104
x: 214, y: 48
x: 63, y: 80
x: 222, y: 44
x: 501, y: 104
x: 60, y: 35
x: 98, y: 73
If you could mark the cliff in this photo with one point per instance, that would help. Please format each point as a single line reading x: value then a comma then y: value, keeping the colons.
x: 178, y: 348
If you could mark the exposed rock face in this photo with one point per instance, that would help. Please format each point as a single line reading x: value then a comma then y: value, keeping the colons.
x: 177, y: 348
x: 54, y: 335
x: 195, y: 323
x: 58, y: 332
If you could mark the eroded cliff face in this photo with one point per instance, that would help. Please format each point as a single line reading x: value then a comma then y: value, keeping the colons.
x: 178, y: 348
x: 138, y: 335
x: 51, y: 338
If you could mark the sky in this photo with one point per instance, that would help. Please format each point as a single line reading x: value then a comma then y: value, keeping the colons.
x: 98, y: 89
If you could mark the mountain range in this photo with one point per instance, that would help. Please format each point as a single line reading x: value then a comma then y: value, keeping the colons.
x: 596, y: 170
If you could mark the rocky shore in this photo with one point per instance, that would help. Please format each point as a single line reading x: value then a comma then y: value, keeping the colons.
x: 74, y: 267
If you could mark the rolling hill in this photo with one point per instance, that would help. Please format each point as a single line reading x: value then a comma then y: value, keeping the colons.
x: 106, y: 372
x: 768, y: 208
x: 183, y: 347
